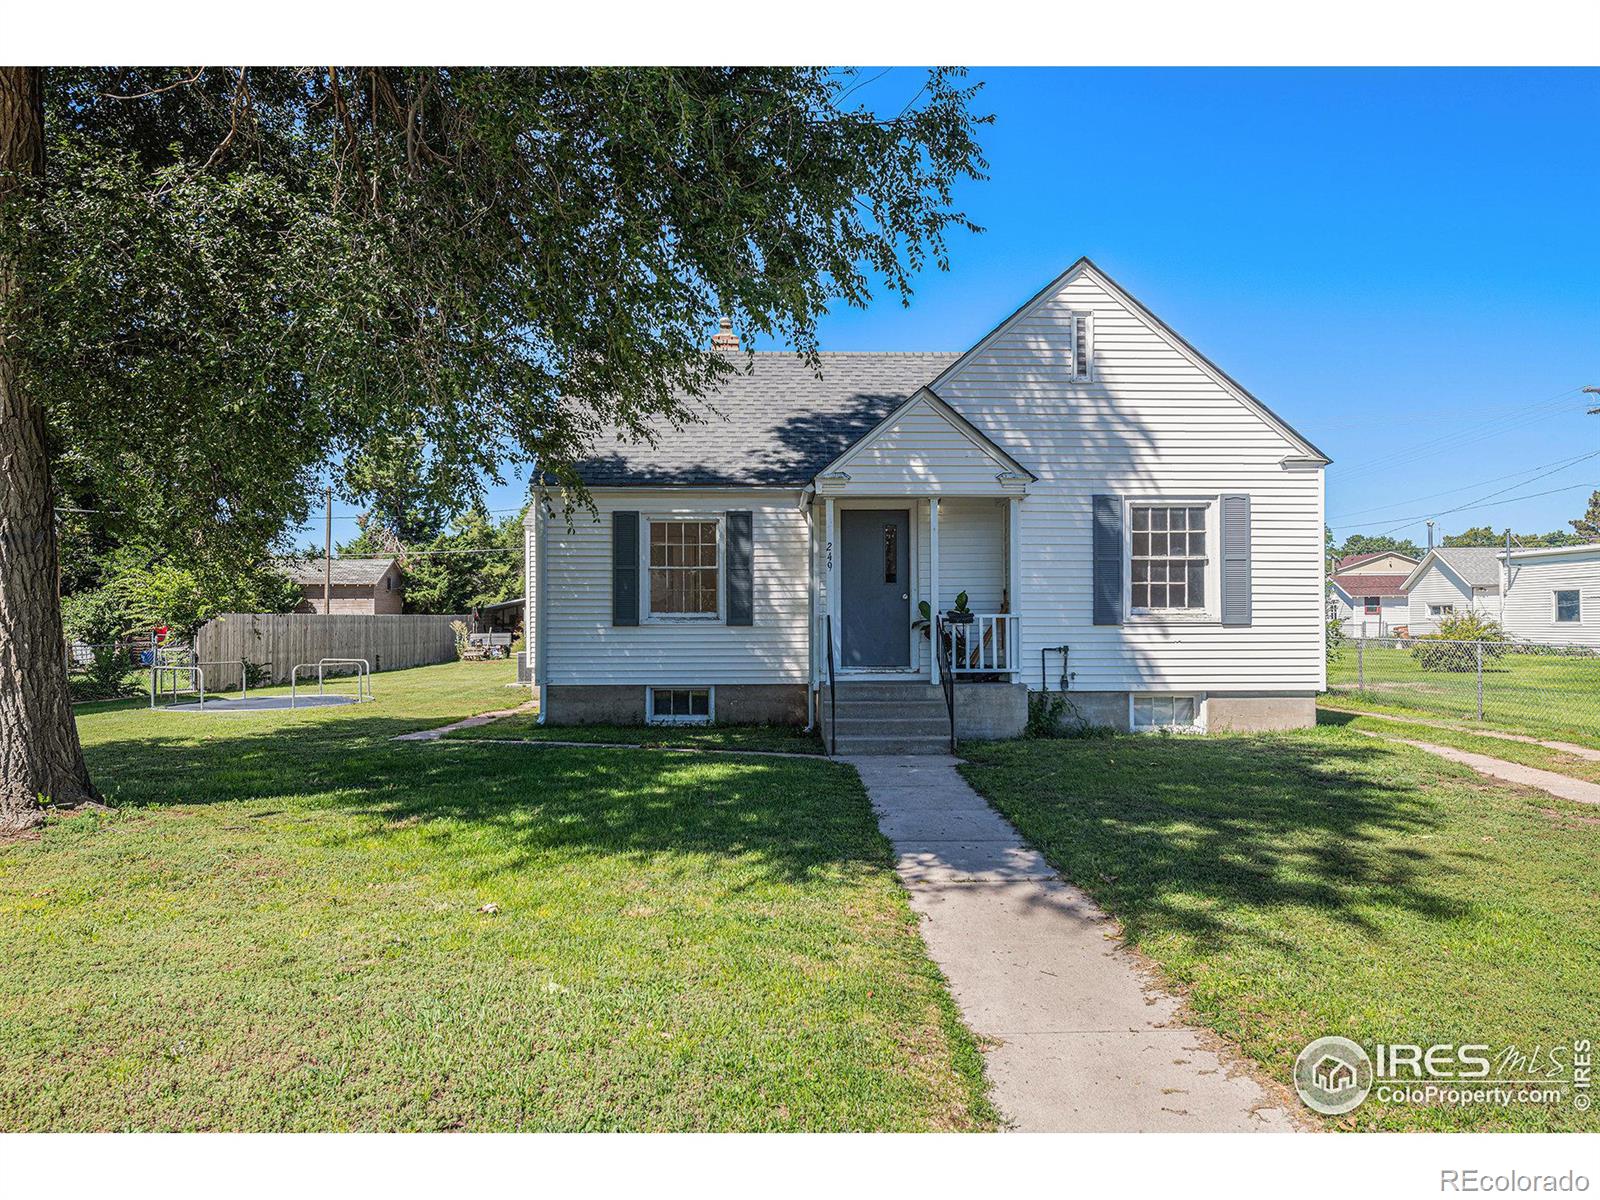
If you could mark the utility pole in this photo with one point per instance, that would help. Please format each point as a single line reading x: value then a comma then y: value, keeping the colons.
x: 327, y: 558
x: 1430, y: 535
x: 1592, y: 391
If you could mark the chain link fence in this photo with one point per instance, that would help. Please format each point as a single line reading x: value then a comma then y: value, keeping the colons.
x: 1548, y: 690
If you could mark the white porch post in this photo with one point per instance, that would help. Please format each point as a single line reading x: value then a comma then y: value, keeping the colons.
x: 830, y: 564
x: 1014, y: 579
x: 934, y: 665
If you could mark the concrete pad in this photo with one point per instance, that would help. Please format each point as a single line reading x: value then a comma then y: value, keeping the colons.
x: 1081, y: 1039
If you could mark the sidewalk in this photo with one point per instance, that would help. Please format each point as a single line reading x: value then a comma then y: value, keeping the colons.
x: 1084, y: 1042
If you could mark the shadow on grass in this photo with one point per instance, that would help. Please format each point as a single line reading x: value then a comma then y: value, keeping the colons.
x: 514, y: 807
x: 1219, y: 837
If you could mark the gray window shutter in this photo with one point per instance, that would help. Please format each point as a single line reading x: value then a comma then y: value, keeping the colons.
x: 1108, y: 560
x: 740, y: 561
x: 1236, y: 560
x: 624, y: 568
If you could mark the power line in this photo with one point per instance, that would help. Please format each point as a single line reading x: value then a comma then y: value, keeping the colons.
x: 1571, y: 487
x: 1557, y: 465
x: 1466, y: 435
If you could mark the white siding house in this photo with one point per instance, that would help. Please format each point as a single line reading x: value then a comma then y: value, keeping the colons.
x: 1124, y: 519
x: 1366, y: 592
x: 1552, y: 596
x: 1453, y: 579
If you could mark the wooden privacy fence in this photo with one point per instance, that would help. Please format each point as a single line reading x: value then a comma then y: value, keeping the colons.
x: 388, y: 641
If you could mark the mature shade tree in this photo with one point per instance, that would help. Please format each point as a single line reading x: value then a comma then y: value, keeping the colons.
x: 1587, y: 527
x: 1360, y: 543
x: 212, y: 281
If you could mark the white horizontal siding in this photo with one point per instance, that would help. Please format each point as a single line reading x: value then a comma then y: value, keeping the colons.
x: 1529, y: 612
x: 1150, y: 423
x: 1437, y: 586
x: 921, y: 451
x: 581, y: 646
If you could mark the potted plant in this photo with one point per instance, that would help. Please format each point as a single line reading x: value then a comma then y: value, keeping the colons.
x: 960, y: 614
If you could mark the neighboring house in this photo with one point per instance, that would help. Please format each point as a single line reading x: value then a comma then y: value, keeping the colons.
x: 1453, y: 579
x: 1367, y: 593
x: 361, y: 586
x: 1121, y: 515
x: 1552, y: 595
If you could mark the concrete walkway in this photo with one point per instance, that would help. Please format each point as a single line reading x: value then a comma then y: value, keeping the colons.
x: 1580, y: 791
x: 1572, y: 748
x: 433, y: 735
x: 1083, y: 1040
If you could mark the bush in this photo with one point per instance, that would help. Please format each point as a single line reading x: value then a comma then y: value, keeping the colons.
x: 1442, y: 652
x: 1054, y: 715
x: 1335, y: 640
x: 459, y: 628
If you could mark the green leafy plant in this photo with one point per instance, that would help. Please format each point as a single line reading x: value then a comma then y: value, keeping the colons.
x: 459, y: 628
x: 924, y: 620
x: 1335, y: 639
x: 1442, y: 651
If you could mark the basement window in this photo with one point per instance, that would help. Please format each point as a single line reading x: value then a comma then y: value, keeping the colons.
x: 679, y: 706
x: 1179, y: 713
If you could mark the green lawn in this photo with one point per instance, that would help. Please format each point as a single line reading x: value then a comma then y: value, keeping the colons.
x: 1325, y: 883
x: 1527, y: 753
x: 525, y: 727
x: 281, y: 926
x: 1550, y: 695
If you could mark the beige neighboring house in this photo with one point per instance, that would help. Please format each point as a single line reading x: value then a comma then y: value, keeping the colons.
x: 361, y: 586
x: 1366, y: 593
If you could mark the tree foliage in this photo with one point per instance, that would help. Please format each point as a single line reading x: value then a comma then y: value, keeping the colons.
x: 1483, y: 535
x: 1587, y: 527
x: 233, y: 276
x: 1360, y: 543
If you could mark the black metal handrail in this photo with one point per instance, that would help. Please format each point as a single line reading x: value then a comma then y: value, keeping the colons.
x: 943, y: 647
x: 833, y: 692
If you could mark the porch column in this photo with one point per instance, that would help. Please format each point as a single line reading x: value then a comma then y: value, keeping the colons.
x: 830, y: 564
x: 1014, y: 578
x: 933, y: 589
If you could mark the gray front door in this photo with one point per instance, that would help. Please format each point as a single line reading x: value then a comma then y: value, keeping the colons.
x: 875, y: 591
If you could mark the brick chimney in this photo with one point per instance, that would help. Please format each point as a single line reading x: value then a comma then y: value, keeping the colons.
x: 725, y: 338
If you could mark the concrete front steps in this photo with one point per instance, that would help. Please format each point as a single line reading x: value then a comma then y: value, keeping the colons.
x: 887, y: 718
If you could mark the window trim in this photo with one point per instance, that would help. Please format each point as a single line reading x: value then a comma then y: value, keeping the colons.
x: 710, y: 689
x: 1372, y: 606
x: 1211, y: 614
x: 1199, y: 699
x: 1445, y: 609
x: 1555, y: 606
x: 646, y: 520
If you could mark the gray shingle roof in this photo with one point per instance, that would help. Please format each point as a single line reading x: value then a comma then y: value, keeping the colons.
x: 1476, y: 564
x: 357, y: 571
x: 777, y: 426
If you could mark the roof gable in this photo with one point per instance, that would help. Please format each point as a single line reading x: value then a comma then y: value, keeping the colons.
x: 1471, y: 566
x: 926, y: 441
x: 1084, y: 268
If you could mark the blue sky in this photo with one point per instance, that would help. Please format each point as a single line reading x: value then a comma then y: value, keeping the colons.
x: 1405, y: 264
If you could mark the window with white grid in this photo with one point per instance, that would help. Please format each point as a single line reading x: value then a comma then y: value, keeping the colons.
x: 683, y: 568
x: 1169, y: 557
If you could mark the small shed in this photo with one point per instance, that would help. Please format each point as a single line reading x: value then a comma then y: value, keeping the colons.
x: 361, y: 586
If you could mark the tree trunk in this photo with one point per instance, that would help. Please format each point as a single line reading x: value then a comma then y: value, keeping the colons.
x: 40, y: 759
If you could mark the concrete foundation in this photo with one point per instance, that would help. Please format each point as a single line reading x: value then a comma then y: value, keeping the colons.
x: 991, y: 711
x: 1247, y: 713
x: 624, y: 704
x: 1226, y: 712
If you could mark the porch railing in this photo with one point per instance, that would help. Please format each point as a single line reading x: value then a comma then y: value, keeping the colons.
x: 990, y: 645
